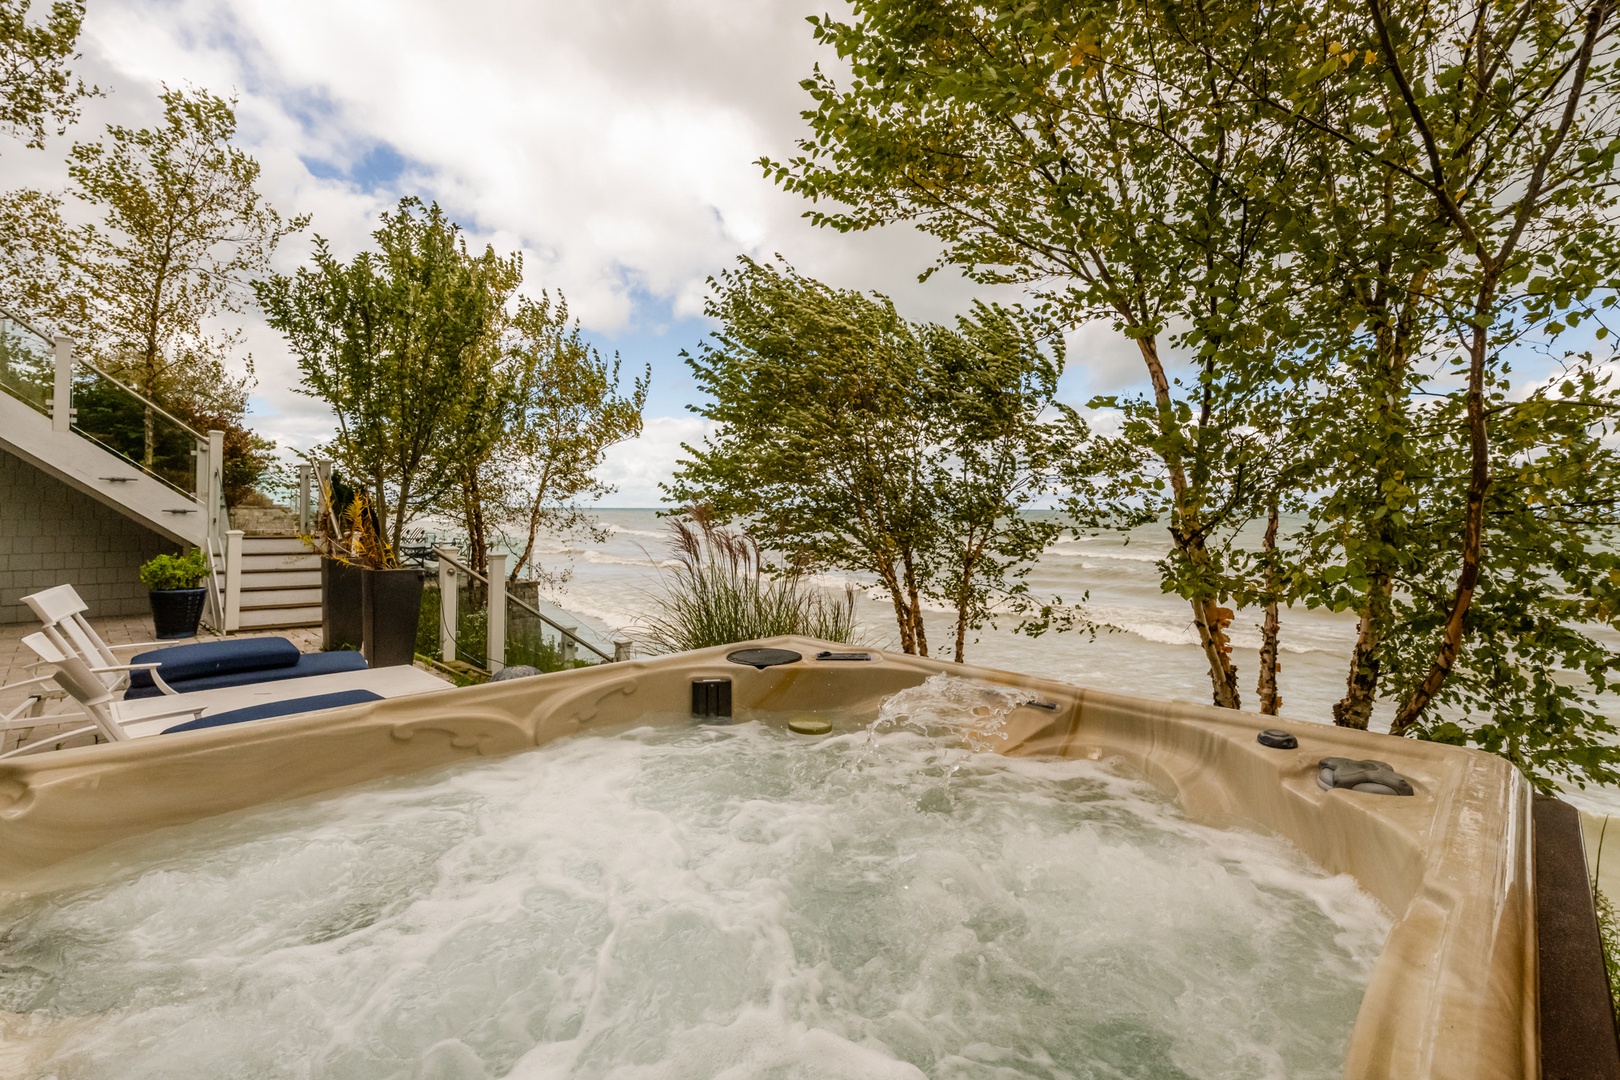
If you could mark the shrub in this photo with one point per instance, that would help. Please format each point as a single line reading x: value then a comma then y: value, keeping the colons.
x: 1609, y: 928
x: 174, y: 571
x: 719, y: 592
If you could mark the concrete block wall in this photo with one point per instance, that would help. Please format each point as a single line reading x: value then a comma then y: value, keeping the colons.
x: 51, y: 533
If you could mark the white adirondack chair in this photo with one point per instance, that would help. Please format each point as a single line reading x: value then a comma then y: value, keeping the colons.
x: 116, y: 720
x: 88, y: 686
x: 61, y: 614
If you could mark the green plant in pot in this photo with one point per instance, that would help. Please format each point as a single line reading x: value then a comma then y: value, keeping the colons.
x: 175, y: 584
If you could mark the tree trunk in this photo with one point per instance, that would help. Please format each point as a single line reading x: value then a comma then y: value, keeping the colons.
x: 914, y: 602
x: 1266, y: 688
x: 1479, y: 482
x: 477, y: 543
x: 962, y: 615
x: 1354, y: 710
x: 149, y: 439
x: 1207, y: 615
x: 902, y: 615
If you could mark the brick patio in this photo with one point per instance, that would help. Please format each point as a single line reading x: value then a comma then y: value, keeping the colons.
x: 115, y: 630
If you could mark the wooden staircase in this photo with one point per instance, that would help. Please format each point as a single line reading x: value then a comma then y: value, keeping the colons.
x: 281, y: 583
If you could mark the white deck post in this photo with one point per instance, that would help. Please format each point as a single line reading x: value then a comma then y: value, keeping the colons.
x: 62, y: 395
x: 497, y: 611
x: 447, y: 604
x: 622, y: 650
x: 233, y: 580
x: 304, y: 478
x: 216, y: 486
x: 203, y: 472
x: 568, y: 647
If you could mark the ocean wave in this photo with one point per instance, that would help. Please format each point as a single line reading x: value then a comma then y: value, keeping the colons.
x: 1122, y: 556
x: 625, y: 530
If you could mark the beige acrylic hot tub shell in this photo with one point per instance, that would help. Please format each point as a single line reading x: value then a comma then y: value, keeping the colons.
x: 1452, y: 996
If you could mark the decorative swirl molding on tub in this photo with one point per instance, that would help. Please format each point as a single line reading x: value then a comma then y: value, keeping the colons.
x: 487, y: 733
x: 15, y: 798
x: 583, y: 707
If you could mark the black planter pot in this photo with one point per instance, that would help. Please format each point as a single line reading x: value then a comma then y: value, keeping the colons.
x: 391, y: 603
x: 176, y: 612
x: 341, y: 620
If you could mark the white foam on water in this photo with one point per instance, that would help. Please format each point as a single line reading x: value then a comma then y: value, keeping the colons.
x: 699, y: 902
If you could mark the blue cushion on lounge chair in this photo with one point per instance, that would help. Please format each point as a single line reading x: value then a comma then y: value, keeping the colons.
x: 214, y: 658
x: 320, y: 663
x: 278, y: 708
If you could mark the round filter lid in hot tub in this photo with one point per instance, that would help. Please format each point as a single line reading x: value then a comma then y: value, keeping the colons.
x: 764, y: 658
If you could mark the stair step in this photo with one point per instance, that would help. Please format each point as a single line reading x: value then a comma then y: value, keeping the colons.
x: 307, y: 561
x: 274, y: 545
x: 280, y: 579
x: 280, y: 617
x: 269, y: 598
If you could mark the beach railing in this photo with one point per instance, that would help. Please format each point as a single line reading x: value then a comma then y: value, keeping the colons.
x: 481, y: 621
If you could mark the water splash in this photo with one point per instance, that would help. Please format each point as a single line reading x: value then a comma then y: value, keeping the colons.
x: 974, y: 713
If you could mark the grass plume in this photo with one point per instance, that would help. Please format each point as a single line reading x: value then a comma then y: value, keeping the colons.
x: 719, y: 591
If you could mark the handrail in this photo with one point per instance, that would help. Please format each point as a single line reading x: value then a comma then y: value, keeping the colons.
x: 142, y: 398
x: 7, y: 313
x: 563, y: 630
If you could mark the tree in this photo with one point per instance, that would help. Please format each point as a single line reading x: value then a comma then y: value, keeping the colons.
x: 1361, y: 214
x: 569, y: 411
x: 532, y: 452
x: 1084, y: 150
x: 850, y: 438
x: 183, y: 229
x: 1484, y: 159
x: 396, y: 341
x: 37, y: 91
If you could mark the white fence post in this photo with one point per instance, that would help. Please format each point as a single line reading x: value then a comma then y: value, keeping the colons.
x: 233, y: 580
x: 623, y: 649
x: 568, y: 647
x: 200, y: 453
x: 447, y: 604
x: 497, y: 611
x: 62, y: 395
x: 216, y: 486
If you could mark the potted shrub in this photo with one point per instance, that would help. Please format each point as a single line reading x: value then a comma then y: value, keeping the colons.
x: 389, y: 595
x: 340, y: 576
x: 177, y: 594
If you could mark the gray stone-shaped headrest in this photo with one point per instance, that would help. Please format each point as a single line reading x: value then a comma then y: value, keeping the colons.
x: 1373, y: 777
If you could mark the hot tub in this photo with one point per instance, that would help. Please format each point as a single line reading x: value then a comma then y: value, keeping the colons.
x: 1451, y: 994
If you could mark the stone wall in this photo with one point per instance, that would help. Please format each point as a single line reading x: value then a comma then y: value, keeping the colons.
x: 264, y: 520
x: 51, y: 534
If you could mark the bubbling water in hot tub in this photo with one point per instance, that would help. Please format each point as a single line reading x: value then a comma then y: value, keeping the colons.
x: 700, y: 902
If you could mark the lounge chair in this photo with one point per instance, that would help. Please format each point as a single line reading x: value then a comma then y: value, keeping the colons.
x: 116, y: 720
x: 178, y: 669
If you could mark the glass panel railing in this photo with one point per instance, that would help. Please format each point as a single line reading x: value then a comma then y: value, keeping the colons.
x: 533, y: 640
x: 537, y: 633
x: 111, y: 414
x: 27, y: 364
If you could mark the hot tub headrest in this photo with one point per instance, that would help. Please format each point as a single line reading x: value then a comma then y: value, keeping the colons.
x: 1373, y: 777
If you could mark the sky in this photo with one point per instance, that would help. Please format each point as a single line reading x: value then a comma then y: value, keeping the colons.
x: 612, y: 142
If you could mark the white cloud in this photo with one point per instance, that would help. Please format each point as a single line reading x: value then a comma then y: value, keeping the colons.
x: 638, y: 466
x: 612, y: 143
